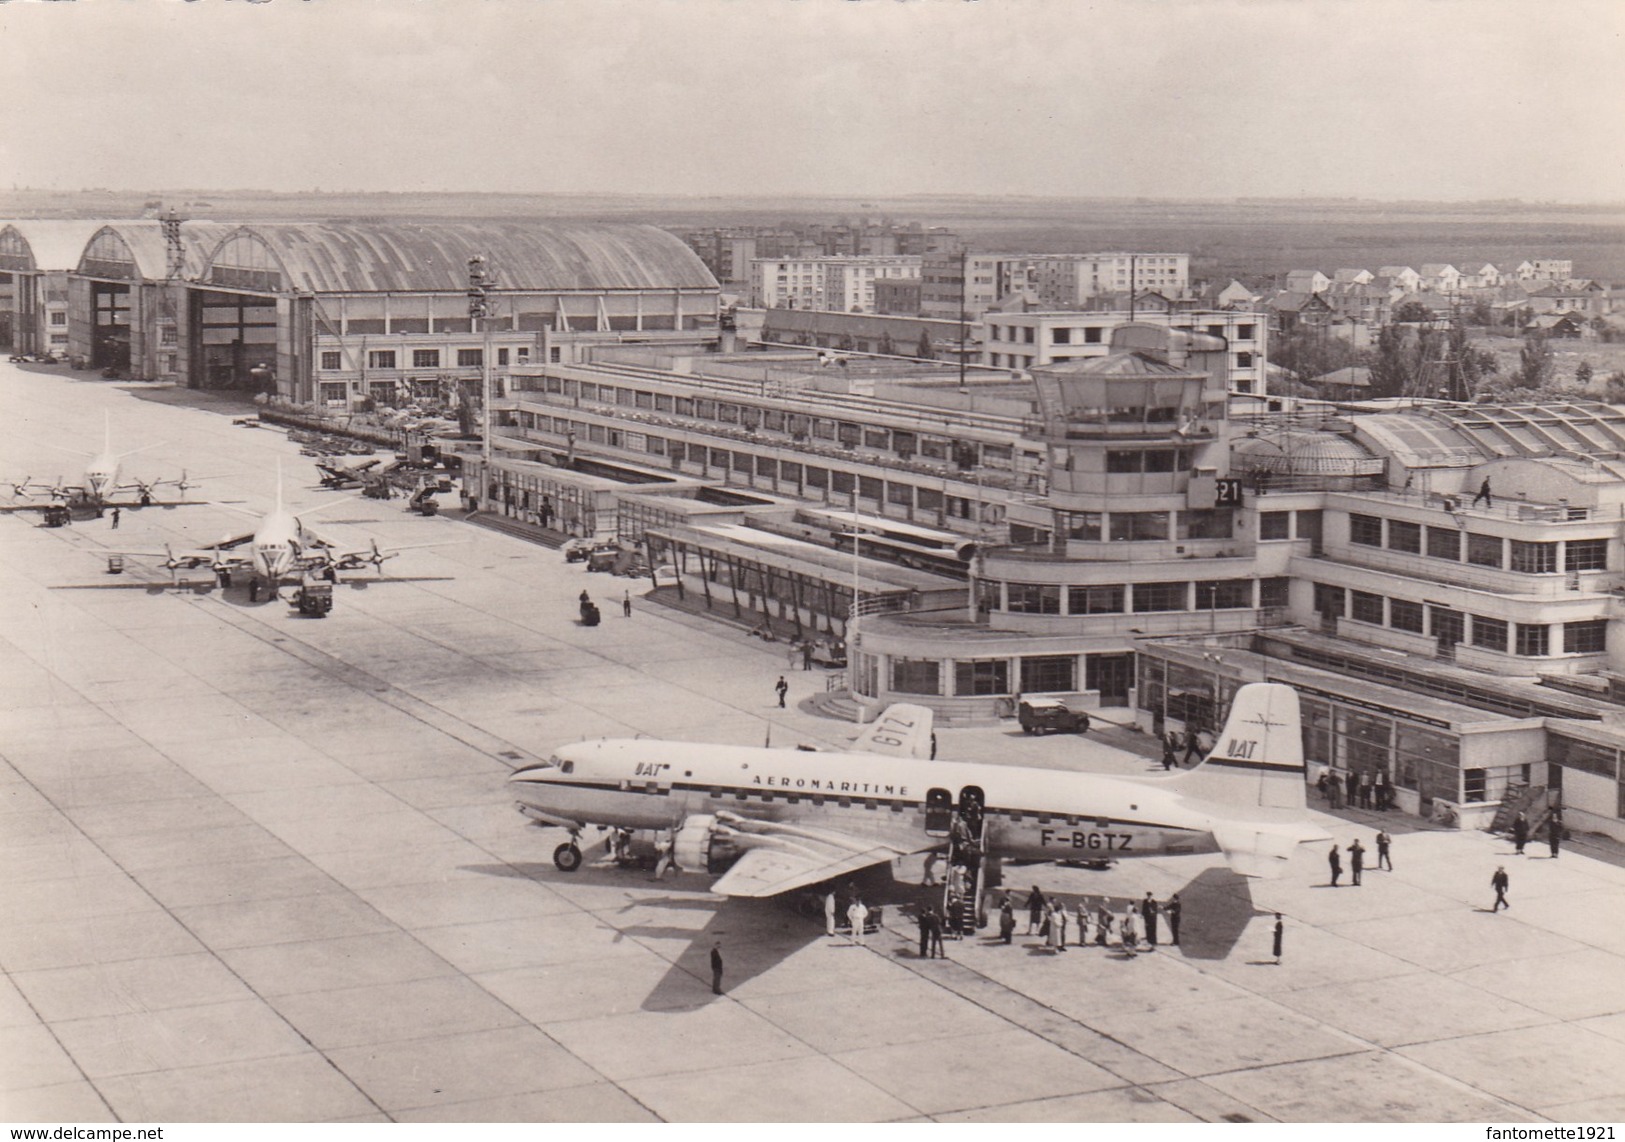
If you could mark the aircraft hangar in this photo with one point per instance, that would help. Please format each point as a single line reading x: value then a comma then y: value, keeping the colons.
x: 338, y: 312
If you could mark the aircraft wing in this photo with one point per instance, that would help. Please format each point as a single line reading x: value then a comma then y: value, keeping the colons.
x: 1262, y: 850
x: 323, y: 553
x: 766, y: 872
x: 901, y: 730
x: 780, y: 856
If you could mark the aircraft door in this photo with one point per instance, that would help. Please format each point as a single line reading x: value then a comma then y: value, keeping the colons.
x: 971, y: 803
x: 939, y: 812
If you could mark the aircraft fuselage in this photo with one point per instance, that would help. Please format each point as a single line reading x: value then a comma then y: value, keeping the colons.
x: 101, y: 477
x: 278, y: 543
x: 1028, y: 813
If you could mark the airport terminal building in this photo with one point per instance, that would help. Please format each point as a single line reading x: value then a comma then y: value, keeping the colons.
x: 1138, y: 546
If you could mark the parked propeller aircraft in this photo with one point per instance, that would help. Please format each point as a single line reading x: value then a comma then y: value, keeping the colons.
x: 339, y: 476
x: 100, y: 484
x: 279, y: 548
x: 797, y: 818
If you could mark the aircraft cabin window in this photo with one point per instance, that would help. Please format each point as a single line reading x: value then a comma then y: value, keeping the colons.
x: 567, y: 766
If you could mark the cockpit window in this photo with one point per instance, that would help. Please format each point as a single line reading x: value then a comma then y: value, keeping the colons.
x: 567, y: 766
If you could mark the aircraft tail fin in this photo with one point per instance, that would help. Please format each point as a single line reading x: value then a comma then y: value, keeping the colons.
x: 1257, y: 760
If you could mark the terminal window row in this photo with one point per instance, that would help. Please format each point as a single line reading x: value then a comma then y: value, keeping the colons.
x: 1145, y: 598
x: 1524, y: 556
x: 989, y: 677
x: 799, y: 426
x: 1526, y: 640
x: 1146, y: 526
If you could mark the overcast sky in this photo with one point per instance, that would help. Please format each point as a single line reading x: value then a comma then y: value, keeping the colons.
x: 1445, y: 99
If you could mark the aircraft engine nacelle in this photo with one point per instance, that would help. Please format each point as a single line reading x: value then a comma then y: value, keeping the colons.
x: 965, y: 550
x: 692, y: 847
x: 703, y: 844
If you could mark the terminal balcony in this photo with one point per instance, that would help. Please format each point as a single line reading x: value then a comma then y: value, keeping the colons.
x: 1556, y: 586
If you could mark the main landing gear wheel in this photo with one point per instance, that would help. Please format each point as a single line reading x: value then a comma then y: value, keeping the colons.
x: 567, y: 856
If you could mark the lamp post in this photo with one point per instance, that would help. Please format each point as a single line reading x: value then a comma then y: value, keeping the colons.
x: 479, y: 282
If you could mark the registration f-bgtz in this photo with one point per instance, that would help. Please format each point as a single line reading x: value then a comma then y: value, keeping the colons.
x: 798, y: 818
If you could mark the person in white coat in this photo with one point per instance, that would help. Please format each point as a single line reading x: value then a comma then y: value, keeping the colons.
x: 856, y: 915
x: 1130, y: 928
x: 829, y: 912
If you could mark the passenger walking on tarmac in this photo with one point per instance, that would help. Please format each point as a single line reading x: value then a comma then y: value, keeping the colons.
x: 1193, y: 746
x: 716, y: 968
x: 857, y: 915
x: 1084, y: 917
x: 1554, y: 833
x: 829, y: 912
x: 806, y: 654
x: 1356, y: 861
x: 1500, y: 883
x: 1035, y: 910
x: 626, y: 606
x: 115, y: 519
x: 1280, y: 932
x: 781, y: 688
x: 1168, y: 759
x: 1007, y: 921
x: 1484, y: 494
x: 1171, y: 910
x: 1520, y: 833
x: 924, y: 922
x: 1148, y: 917
x: 1383, y: 843
x: 1335, y: 859
x: 933, y: 929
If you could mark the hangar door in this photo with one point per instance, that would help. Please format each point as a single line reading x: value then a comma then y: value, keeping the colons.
x: 237, y: 332
x: 110, y: 325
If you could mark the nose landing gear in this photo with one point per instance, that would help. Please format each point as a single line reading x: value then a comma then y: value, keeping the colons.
x: 567, y: 857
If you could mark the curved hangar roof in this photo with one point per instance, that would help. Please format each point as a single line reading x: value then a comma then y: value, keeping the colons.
x: 349, y: 258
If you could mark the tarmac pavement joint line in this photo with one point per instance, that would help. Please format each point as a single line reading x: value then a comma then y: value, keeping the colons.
x: 1017, y: 1000
x: 383, y: 691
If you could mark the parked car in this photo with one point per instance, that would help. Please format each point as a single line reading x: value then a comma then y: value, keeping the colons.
x: 576, y: 550
x: 1051, y: 715
x: 603, y: 557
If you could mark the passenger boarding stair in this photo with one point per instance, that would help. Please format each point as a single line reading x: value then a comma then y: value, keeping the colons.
x: 967, y: 871
x: 1533, y: 801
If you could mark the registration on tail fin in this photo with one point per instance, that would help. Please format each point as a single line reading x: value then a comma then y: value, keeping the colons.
x: 901, y: 730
